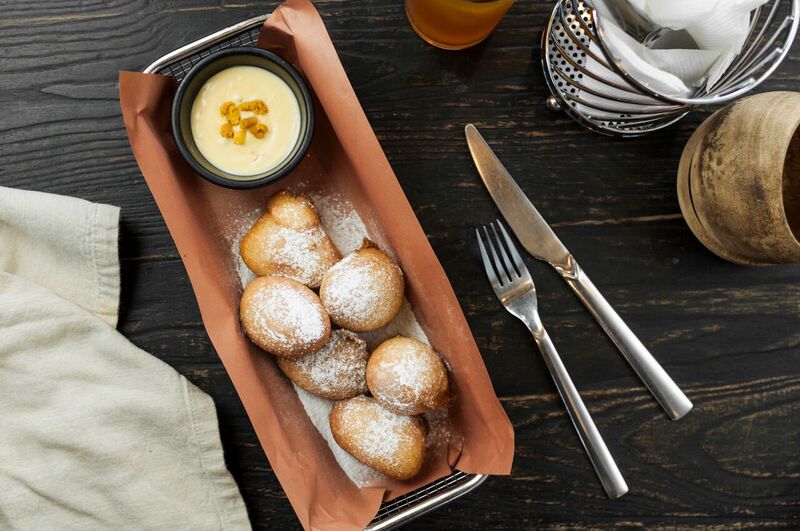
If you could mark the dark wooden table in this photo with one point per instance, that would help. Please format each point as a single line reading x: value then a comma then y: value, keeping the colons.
x: 728, y: 334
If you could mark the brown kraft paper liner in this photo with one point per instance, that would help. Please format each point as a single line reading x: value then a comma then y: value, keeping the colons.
x: 344, y: 158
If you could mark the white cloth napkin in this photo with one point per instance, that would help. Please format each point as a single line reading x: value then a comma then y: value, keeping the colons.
x: 718, y: 29
x: 94, y: 432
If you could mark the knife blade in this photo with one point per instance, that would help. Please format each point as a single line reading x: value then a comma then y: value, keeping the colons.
x: 539, y: 240
x: 531, y: 229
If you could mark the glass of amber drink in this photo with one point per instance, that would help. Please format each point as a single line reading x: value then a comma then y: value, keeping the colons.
x: 455, y: 24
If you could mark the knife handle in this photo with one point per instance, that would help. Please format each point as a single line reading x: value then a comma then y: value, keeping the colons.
x: 663, y: 388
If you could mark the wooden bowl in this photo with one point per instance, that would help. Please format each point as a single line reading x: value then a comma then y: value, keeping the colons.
x: 739, y: 180
x: 687, y: 205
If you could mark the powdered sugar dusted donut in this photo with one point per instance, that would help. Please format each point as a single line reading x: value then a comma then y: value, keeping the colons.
x: 407, y: 376
x: 283, y: 317
x: 288, y: 240
x: 336, y: 371
x: 391, y: 444
x: 364, y: 291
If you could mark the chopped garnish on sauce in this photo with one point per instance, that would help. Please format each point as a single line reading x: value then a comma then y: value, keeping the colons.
x: 225, y: 107
x: 259, y: 130
x: 247, y: 123
x: 255, y: 106
x: 233, y: 117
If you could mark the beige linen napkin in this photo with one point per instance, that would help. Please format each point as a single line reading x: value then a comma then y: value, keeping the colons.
x: 94, y: 432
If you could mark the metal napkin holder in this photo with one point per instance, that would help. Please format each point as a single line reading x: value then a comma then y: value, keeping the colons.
x: 567, y: 47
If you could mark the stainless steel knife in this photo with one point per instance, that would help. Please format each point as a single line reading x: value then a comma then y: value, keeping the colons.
x: 539, y: 240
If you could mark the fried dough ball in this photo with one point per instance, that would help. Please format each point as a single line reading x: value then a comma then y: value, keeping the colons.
x: 336, y: 371
x: 407, y: 376
x: 391, y: 444
x: 364, y: 291
x: 283, y: 317
x: 288, y: 240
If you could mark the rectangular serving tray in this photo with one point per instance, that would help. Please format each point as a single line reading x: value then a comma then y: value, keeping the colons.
x: 403, y: 509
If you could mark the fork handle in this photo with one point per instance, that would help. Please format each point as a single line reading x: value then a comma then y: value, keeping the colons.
x: 610, y: 476
x: 663, y: 388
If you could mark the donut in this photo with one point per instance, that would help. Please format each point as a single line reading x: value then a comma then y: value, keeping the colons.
x: 363, y: 291
x: 407, y: 376
x: 336, y: 371
x: 289, y: 240
x: 390, y: 443
x: 283, y: 317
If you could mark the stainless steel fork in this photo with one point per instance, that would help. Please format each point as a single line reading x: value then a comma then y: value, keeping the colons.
x: 513, y: 285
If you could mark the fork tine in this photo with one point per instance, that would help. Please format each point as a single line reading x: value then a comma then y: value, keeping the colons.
x: 487, y: 264
x: 512, y: 272
x: 518, y: 262
x: 501, y: 271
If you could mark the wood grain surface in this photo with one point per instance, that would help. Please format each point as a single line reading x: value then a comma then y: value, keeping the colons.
x: 728, y: 334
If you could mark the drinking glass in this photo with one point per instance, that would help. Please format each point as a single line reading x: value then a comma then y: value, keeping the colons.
x: 455, y: 24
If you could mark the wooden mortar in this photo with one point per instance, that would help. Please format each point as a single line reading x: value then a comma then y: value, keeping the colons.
x: 744, y: 179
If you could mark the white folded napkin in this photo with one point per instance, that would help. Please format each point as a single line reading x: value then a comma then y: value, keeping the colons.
x: 704, y: 38
x: 95, y: 433
x: 670, y: 71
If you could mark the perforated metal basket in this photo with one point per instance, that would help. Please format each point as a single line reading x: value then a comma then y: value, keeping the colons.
x: 401, y: 510
x: 593, y: 87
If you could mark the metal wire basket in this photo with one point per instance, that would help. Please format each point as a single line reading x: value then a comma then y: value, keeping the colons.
x: 589, y: 84
x: 405, y: 508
